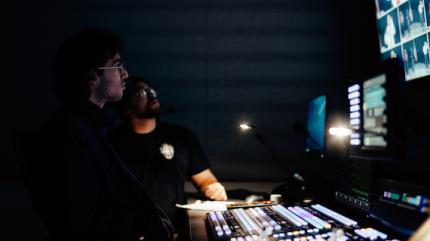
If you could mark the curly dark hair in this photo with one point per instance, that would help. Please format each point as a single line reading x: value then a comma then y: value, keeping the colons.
x: 77, y: 57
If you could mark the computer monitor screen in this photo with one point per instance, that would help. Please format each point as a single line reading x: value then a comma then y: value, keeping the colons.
x: 375, y: 103
x: 403, y: 27
x: 316, y: 124
x: 374, y: 115
x: 369, y: 118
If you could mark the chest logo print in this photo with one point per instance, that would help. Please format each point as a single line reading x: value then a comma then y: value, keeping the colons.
x: 168, y: 151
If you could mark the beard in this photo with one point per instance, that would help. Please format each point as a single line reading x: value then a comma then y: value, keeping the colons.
x: 102, y: 92
x: 148, y: 112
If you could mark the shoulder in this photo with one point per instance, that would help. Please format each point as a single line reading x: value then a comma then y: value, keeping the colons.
x: 67, y: 121
x: 173, y: 128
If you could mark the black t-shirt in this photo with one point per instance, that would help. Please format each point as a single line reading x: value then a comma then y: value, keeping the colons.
x: 161, y: 160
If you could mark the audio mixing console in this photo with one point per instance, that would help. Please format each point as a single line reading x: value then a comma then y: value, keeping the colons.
x: 295, y: 223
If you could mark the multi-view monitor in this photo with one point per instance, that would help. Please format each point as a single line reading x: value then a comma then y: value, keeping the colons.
x: 404, y: 27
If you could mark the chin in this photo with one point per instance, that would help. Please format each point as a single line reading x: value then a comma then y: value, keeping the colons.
x: 115, y: 98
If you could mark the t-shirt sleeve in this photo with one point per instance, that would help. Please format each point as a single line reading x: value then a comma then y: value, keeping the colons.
x: 198, y: 160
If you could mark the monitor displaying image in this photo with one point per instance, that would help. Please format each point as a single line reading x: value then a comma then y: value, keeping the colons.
x: 316, y: 124
x: 404, y: 27
x: 374, y: 116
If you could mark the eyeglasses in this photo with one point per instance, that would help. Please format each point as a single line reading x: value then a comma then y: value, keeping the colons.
x: 144, y: 92
x: 120, y: 67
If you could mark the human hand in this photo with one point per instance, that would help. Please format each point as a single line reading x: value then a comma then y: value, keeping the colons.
x: 215, y: 191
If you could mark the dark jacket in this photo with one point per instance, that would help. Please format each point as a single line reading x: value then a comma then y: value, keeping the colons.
x: 82, y: 190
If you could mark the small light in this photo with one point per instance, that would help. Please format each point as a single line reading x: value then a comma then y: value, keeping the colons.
x: 354, y: 108
x: 353, y: 88
x: 354, y: 115
x: 244, y: 127
x: 354, y: 101
x: 355, y: 142
x: 339, y: 131
x: 355, y: 127
x: 355, y: 121
x: 353, y: 95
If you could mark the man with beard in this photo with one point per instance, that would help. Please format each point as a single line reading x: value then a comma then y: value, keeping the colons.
x: 161, y: 155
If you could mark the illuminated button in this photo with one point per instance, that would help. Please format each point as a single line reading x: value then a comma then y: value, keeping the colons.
x: 233, y: 239
x: 296, y: 233
x: 316, y: 230
x: 282, y: 235
x: 303, y: 239
x: 324, y: 235
x: 296, y: 239
x: 289, y: 233
x: 310, y: 230
x: 302, y: 231
x: 276, y: 235
x: 248, y: 238
x: 343, y: 238
x: 219, y: 232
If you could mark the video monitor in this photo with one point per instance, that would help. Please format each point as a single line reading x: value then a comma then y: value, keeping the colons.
x: 316, y: 123
x: 403, y: 28
x: 374, y: 113
x: 374, y: 116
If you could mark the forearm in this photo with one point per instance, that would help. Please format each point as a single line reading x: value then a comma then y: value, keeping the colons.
x: 204, y: 179
x: 209, y: 185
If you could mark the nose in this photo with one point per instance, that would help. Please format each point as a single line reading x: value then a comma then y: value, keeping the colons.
x: 124, y: 74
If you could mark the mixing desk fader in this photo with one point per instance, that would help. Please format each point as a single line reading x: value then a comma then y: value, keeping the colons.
x: 294, y: 223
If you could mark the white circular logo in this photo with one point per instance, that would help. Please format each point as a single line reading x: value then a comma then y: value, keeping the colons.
x: 167, y: 150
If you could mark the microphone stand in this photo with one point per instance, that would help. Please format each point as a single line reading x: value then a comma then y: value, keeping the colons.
x: 295, y: 184
x: 259, y: 132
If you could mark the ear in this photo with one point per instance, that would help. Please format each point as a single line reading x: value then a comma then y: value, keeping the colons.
x: 93, y: 79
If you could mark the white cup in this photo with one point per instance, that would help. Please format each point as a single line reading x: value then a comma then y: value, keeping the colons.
x: 276, y: 198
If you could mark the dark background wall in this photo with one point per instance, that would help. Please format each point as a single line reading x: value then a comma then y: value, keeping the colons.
x: 215, y: 64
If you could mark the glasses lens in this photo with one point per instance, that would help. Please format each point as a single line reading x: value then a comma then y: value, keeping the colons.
x: 153, y: 92
x: 146, y: 92
x: 142, y: 93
